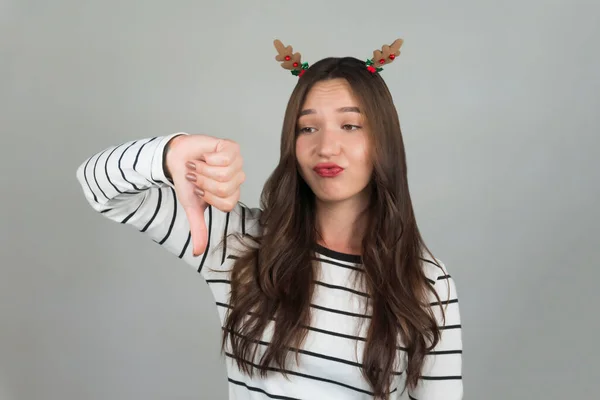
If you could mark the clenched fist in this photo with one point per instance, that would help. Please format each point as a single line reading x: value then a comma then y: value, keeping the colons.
x: 205, y: 171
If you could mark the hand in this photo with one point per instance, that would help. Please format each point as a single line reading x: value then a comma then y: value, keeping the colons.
x: 205, y: 171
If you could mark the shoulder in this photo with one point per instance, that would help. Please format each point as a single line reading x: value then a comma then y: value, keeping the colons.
x: 442, y: 282
x: 433, y: 268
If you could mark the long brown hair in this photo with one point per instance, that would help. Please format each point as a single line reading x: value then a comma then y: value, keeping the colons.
x: 274, y: 281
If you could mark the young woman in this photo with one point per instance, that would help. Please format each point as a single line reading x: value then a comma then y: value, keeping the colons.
x: 327, y: 291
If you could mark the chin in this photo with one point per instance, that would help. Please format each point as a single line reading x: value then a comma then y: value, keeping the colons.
x: 336, y: 196
x: 336, y: 192
x: 331, y: 198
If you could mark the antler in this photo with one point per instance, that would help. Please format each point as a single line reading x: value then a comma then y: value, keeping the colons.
x: 387, y: 54
x: 287, y: 57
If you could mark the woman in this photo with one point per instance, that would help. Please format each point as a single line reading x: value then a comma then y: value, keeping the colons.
x: 327, y: 291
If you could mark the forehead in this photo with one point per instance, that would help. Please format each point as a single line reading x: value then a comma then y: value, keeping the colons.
x: 330, y: 93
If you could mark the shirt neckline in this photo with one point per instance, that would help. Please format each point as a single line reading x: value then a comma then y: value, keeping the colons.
x: 352, y: 258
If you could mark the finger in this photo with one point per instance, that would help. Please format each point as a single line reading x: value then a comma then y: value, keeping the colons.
x: 221, y: 189
x: 221, y: 158
x: 198, y: 230
x: 218, y: 173
x: 224, y: 204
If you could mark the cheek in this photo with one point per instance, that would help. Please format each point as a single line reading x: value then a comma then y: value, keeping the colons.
x: 301, y: 150
x: 361, y: 154
x: 301, y: 156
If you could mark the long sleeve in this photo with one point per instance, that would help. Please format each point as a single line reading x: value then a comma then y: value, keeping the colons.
x: 441, y: 377
x: 127, y: 184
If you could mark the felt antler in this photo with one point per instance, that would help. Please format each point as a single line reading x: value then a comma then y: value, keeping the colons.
x: 289, y: 59
x: 386, y: 55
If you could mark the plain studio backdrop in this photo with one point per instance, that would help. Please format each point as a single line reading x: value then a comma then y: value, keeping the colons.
x: 499, y: 105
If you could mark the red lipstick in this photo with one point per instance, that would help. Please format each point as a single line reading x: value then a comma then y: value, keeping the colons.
x: 328, y: 170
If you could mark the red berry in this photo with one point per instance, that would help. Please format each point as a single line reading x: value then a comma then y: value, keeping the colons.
x: 301, y: 72
x: 295, y: 64
x: 288, y: 58
x: 382, y: 61
x: 371, y: 68
x: 392, y: 56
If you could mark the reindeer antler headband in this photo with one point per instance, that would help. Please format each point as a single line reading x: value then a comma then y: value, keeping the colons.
x: 293, y: 61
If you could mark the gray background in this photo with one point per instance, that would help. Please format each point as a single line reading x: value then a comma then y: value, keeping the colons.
x: 499, y: 105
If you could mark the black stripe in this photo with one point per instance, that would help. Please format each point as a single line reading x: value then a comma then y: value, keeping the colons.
x: 106, y: 170
x: 105, y: 211
x: 121, y: 169
x: 331, y: 333
x: 127, y: 218
x: 255, y: 389
x: 412, y: 398
x: 443, y: 277
x: 310, y: 328
x: 332, y: 310
x: 430, y: 281
x: 172, y: 219
x: 243, y: 220
x: 444, y: 352
x: 152, y: 175
x: 303, y: 375
x: 337, y: 264
x: 313, y: 354
x: 137, y: 156
x: 218, y: 281
x: 351, y: 258
x: 328, y: 285
x: 94, y: 175
x: 451, y: 327
x: 225, y: 238
x: 86, y: 179
x: 430, y: 262
x: 210, y: 218
x: 185, y: 246
x: 439, y: 303
x: 232, y: 257
x: 158, y: 203
x: 441, y: 378
x: 339, y: 311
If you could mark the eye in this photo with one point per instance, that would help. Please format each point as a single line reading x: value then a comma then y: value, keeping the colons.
x: 349, y: 127
x: 306, y: 129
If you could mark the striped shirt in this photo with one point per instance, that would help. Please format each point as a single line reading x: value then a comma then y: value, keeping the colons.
x: 127, y: 184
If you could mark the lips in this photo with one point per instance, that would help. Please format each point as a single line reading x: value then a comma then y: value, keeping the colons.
x: 328, y: 170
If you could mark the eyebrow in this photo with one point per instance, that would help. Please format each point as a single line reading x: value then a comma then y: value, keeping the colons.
x: 341, y: 110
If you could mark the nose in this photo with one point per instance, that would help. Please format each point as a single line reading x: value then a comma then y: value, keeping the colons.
x: 329, y: 143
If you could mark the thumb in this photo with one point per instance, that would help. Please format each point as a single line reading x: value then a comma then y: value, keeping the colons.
x: 198, y: 229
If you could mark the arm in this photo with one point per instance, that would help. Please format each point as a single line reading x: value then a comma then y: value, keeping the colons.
x: 127, y: 184
x: 441, y: 378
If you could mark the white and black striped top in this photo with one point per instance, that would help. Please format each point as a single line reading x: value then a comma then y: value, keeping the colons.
x: 127, y: 184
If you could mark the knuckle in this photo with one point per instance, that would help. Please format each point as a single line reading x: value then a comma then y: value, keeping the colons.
x: 221, y: 175
x: 229, y: 203
x: 221, y: 190
x: 199, y: 168
x: 227, y: 158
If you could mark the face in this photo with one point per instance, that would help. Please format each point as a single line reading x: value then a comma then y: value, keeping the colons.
x: 332, y: 146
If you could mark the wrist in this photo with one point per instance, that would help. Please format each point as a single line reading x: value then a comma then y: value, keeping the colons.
x: 168, y: 151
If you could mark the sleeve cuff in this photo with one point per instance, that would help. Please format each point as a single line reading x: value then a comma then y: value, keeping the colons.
x: 158, y: 172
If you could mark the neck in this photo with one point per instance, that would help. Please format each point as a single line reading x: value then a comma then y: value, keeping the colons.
x: 341, y: 226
